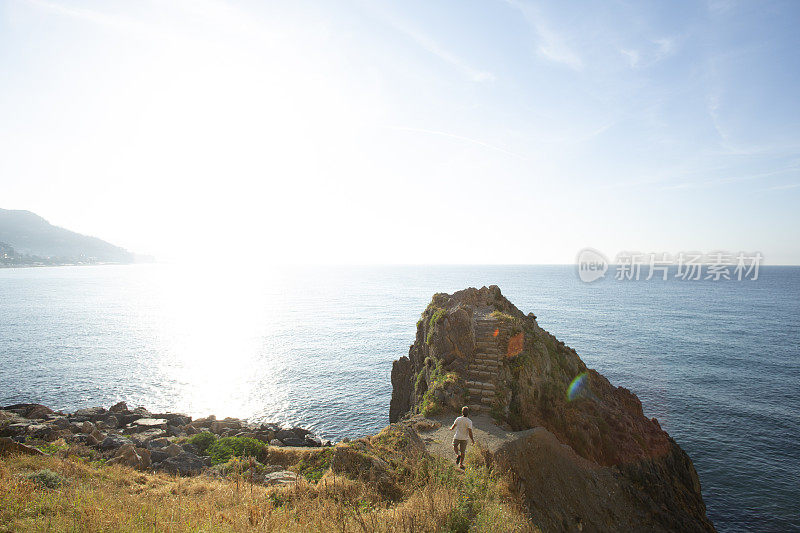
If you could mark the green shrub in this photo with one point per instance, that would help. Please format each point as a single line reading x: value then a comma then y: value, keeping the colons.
x: 47, y: 478
x: 222, y: 450
x: 437, y: 317
x: 314, y: 466
x: 203, y: 441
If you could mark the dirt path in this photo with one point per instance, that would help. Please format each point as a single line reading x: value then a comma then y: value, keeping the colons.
x: 487, y: 433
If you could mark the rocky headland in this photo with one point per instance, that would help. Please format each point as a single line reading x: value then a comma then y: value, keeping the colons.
x: 595, y: 460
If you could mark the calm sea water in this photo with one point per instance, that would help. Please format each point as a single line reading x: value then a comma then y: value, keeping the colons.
x: 717, y: 362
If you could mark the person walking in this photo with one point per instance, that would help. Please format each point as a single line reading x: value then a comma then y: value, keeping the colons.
x: 463, y: 427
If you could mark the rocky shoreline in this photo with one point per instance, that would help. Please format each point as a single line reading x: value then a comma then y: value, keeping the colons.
x: 160, y: 442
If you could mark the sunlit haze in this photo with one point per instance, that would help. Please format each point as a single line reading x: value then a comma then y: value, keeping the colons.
x: 405, y: 132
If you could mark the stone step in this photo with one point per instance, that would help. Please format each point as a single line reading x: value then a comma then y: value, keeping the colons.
x: 477, y: 408
x: 487, y: 345
x: 481, y: 384
x: 488, y: 355
x: 487, y: 402
x: 481, y: 376
x: 486, y: 362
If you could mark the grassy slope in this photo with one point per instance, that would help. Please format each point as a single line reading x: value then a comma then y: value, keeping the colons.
x: 395, y: 491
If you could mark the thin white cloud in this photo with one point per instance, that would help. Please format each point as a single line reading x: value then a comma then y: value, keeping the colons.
x: 430, y: 45
x: 647, y: 56
x: 632, y: 56
x: 551, y: 44
x: 434, y: 48
x: 783, y: 187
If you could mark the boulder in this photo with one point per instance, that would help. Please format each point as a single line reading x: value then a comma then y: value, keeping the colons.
x: 120, y: 407
x: 149, y: 423
x: 90, y: 413
x: 312, y: 441
x: 426, y: 424
x: 42, y: 432
x: 284, y: 434
x: 161, y: 442
x: 158, y: 455
x: 14, y: 430
x: 173, y: 450
x: 280, y: 478
x: 228, y: 424
x: 95, y: 438
x: 184, y: 464
x: 9, y: 446
x: 129, y: 455
x: 30, y: 410
x: 60, y: 423
x: 191, y: 448
x: 109, y: 422
x: 112, y: 442
x: 293, y: 441
x: 204, y: 422
x: 175, y: 419
x: 275, y: 442
x: 87, y: 427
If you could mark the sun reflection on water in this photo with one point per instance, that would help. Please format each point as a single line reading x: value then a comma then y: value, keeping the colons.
x: 214, y: 322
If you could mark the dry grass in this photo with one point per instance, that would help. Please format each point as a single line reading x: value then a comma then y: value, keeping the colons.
x: 433, y: 496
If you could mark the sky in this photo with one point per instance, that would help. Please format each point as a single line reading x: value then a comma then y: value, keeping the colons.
x: 421, y: 131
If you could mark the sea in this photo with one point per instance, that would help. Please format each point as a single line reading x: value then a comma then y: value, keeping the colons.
x: 716, y: 361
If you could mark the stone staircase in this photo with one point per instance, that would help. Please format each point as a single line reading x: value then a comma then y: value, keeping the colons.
x: 483, y: 369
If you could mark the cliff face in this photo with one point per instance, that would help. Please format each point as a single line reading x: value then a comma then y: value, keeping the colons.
x: 476, y: 348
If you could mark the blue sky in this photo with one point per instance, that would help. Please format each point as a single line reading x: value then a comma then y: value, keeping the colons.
x: 406, y: 132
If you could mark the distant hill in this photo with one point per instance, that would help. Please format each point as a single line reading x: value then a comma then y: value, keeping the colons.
x: 27, y: 238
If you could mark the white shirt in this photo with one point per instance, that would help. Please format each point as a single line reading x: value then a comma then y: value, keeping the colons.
x: 463, y: 425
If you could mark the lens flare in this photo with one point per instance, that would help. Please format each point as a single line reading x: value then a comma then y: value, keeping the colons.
x: 578, y: 387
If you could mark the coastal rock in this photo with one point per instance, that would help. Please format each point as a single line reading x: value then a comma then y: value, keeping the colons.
x: 185, y: 464
x: 128, y: 455
x: 95, y: 438
x: 228, y: 424
x: 90, y: 413
x: 157, y: 455
x: 275, y: 442
x: 204, y: 422
x: 174, y: 419
x: 14, y: 430
x: 150, y: 423
x: 42, y: 432
x: 120, y: 407
x: 173, y: 450
x: 191, y: 448
x: 9, y: 446
x: 280, y: 478
x: 402, y: 388
x: 112, y: 442
x: 160, y: 442
x: 60, y: 423
x: 30, y: 410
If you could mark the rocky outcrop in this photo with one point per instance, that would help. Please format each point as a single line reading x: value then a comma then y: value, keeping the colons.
x: 476, y: 348
x: 135, y: 437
